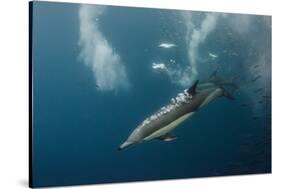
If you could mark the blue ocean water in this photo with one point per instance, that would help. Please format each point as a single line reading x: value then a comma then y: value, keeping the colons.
x: 83, y: 110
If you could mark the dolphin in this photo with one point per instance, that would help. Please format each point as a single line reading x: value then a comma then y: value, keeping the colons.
x: 160, y: 124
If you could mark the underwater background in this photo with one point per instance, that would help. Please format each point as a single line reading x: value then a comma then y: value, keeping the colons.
x: 99, y: 71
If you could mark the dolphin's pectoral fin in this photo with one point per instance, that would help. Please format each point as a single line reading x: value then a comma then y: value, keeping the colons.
x: 167, y: 137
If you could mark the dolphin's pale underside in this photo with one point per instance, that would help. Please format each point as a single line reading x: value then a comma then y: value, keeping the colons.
x: 160, y: 124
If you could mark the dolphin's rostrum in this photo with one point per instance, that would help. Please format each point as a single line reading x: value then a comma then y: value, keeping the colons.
x: 160, y: 124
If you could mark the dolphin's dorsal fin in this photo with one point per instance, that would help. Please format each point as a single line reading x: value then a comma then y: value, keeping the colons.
x: 167, y: 137
x: 213, y: 76
x: 192, y: 89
